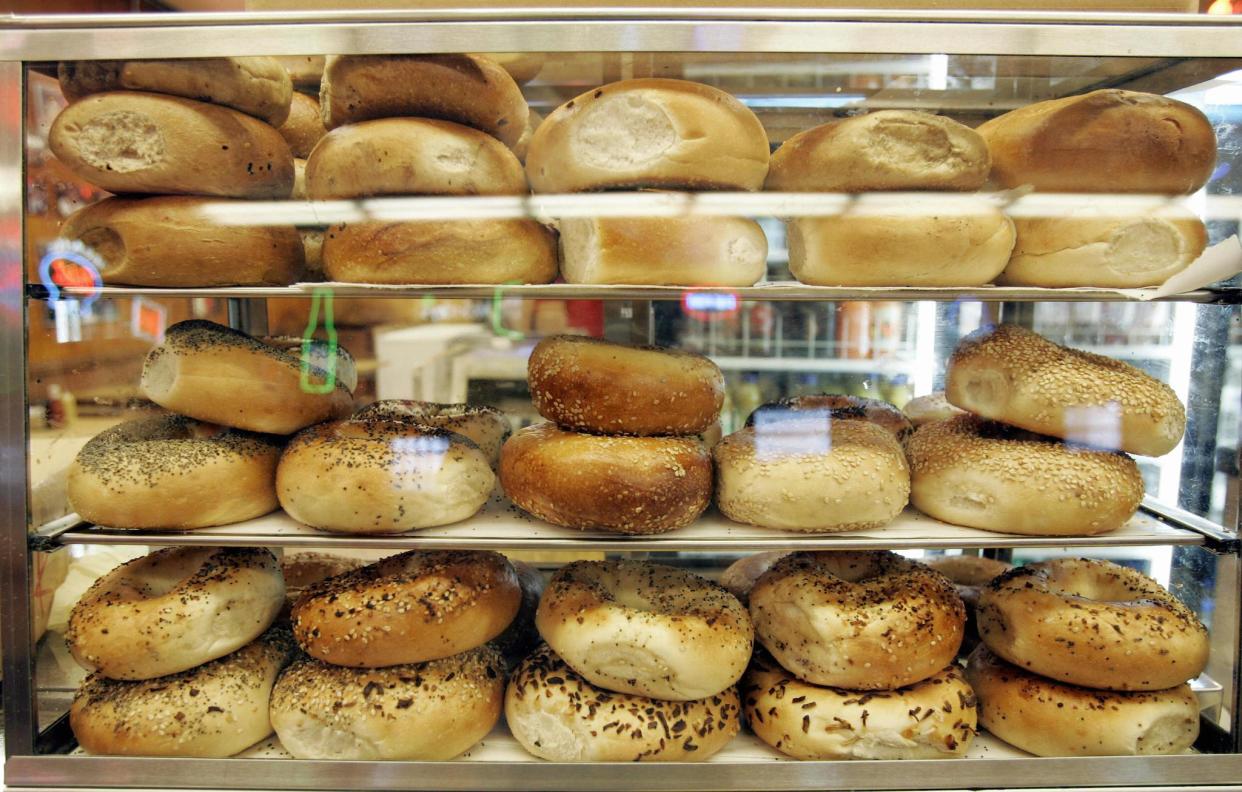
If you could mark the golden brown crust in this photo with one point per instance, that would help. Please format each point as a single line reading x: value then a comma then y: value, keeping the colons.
x: 835, y: 407
x: 1048, y: 718
x: 466, y: 89
x: 646, y: 629
x: 557, y: 715
x: 1094, y: 624
x: 1010, y: 374
x: 408, y: 608
x: 865, y: 621
x: 1103, y: 141
x: 652, y: 132
x: 174, y: 609
x: 931, y: 719
x: 304, y: 126
x: 430, y: 711
x: 883, y: 150
x: 983, y: 474
x: 597, y: 386
x: 628, y: 485
x: 167, y: 472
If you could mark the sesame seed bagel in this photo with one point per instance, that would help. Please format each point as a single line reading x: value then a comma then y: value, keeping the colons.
x: 597, y: 386
x: 214, y: 373
x: 646, y: 629
x: 1048, y: 718
x: 1009, y: 374
x: 1094, y: 624
x: 812, y: 474
x: 932, y: 719
x: 983, y: 474
x: 429, y: 711
x: 214, y: 710
x: 174, y: 473
x: 932, y: 407
x: 557, y: 715
x: 486, y: 426
x: 175, y: 609
x: 408, y: 608
x: 861, y: 620
x: 833, y: 407
x: 626, y: 485
x: 362, y: 476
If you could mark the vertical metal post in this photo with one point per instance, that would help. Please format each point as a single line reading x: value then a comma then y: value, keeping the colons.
x: 249, y: 316
x: 19, y: 693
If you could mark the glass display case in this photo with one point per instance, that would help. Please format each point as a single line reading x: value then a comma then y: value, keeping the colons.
x: 72, y: 345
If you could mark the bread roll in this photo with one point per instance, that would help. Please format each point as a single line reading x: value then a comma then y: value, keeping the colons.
x: 257, y: 86
x: 1112, y: 252
x: 884, y: 150
x: 1103, y: 141
x: 129, y: 142
x: 673, y: 251
x: 304, y: 70
x: 411, y: 156
x: 440, y: 252
x: 304, y: 126
x: 169, y: 241
x: 877, y: 250
x: 649, y: 133
x: 468, y: 89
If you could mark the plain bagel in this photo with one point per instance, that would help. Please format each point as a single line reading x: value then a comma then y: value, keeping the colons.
x: 860, y: 620
x: 408, y: 608
x: 559, y: 716
x: 1092, y: 623
x: 646, y: 629
x: 175, y: 609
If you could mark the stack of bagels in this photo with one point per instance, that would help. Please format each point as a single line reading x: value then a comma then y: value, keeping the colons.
x: 182, y: 133
x: 425, y: 125
x: 1043, y: 424
x: 620, y: 451
x: 302, y: 130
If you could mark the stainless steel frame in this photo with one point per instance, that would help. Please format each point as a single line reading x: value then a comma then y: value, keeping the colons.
x: 555, y: 30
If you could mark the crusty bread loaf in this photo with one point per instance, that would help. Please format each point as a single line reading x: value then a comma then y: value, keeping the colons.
x: 884, y: 150
x: 304, y: 70
x: 169, y: 241
x: 257, y: 86
x: 1103, y: 141
x: 468, y: 89
x: 440, y: 252
x: 131, y: 142
x: 893, y: 250
x: 666, y: 251
x: 649, y: 133
x: 411, y: 156
x: 1112, y: 252
x: 304, y: 126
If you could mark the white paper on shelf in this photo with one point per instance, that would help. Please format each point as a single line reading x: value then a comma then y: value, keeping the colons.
x: 1219, y: 262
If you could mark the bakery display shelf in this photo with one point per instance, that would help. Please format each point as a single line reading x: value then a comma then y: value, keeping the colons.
x: 779, y: 291
x: 501, y: 526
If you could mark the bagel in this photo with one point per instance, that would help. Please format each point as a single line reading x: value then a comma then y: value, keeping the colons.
x: 983, y: 474
x: 521, y: 636
x: 931, y: 719
x: 304, y: 126
x: 166, y: 472
x: 557, y: 715
x: 649, y: 133
x: 835, y: 407
x: 861, y: 620
x: 1010, y: 374
x: 214, y: 373
x: 740, y: 576
x: 596, y: 386
x: 301, y: 570
x: 486, y: 426
x: 969, y: 574
x: 646, y: 629
x: 408, y: 608
x: 214, y: 710
x: 626, y: 485
x: 430, y: 711
x: 1092, y: 623
x: 929, y: 408
x: 1049, y: 718
x: 174, y: 609
x: 810, y: 473
x: 363, y: 476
